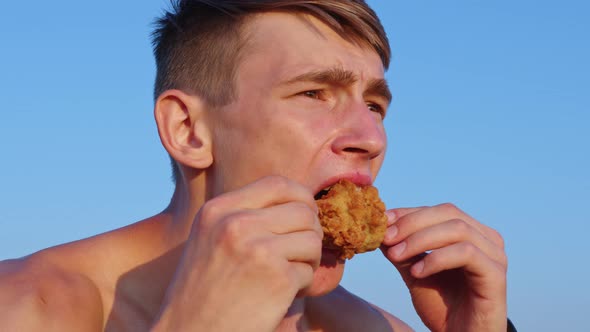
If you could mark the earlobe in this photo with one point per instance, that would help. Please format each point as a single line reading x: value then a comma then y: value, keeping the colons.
x: 183, y: 128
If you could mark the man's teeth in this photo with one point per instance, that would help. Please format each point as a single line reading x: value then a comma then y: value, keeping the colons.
x: 322, y: 193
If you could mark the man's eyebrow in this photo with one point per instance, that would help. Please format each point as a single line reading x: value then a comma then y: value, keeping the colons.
x: 378, y: 87
x: 333, y: 76
x: 341, y: 77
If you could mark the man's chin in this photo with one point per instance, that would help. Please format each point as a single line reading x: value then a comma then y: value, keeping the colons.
x: 327, y: 276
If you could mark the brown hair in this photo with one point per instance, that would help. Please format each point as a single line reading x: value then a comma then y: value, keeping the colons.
x: 198, y: 43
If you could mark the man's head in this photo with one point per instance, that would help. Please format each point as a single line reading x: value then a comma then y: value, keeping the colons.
x: 294, y: 89
x: 199, y: 44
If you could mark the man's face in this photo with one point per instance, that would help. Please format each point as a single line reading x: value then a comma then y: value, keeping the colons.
x: 309, y: 107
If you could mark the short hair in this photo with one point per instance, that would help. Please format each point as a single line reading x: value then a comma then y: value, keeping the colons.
x: 198, y: 43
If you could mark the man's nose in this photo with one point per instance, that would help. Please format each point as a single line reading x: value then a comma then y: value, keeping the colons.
x: 362, y: 134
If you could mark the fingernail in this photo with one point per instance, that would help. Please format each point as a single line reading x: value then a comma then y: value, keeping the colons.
x: 398, y: 249
x: 418, y: 268
x: 390, y: 215
x: 391, y: 233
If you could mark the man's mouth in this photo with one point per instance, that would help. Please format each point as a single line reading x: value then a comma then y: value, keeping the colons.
x: 352, y: 217
x: 321, y: 193
x: 358, y: 178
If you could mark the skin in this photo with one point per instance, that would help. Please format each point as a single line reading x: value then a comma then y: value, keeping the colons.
x: 239, y: 246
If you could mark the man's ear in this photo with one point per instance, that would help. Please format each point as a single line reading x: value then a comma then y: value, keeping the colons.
x: 183, y: 129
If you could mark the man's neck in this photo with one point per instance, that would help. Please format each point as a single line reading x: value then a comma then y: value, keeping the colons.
x: 189, y: 196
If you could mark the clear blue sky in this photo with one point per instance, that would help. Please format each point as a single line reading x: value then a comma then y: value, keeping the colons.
x: 490, y: 112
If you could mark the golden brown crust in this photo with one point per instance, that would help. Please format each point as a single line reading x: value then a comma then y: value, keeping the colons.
x: 353, y: 218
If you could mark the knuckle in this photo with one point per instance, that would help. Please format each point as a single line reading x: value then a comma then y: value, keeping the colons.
x: 307, y: 216
x: 299, y: 275
x: 319, y: 230
x: 460, y: 226
x: 307, y: 274
x: 207, y: 211
x: 433, y: 260
x: 449, y: 207
x: 497, y: 238
x: 233, y: 229
x: 504, y: 261
x: 469, y: 250
x: 211, y: 209
x: 499, y: 272
x: 261, y: 254
x: 315, y: 242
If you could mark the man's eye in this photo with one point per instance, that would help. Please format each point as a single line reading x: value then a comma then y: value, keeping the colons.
x: 315, y: 94
x: 376, y: 108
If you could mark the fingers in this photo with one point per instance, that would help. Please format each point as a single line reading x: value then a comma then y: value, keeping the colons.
x: 426, y: 240
x: 459, y: 255
x: 392, y: 216
x: 288, y: 218
x: 244, y: 205
x: 441, y: 235
x: 400, y: 212
x: 303, y: 247
x: 411, y: 220
x: 269, y: 191
x: 299, y: 227
x: 288, y: 230
x: 243, y: 229
x: 453, y: 265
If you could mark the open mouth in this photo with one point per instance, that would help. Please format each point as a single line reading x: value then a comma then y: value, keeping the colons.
x: 352, y: 217
x: 322, y: 193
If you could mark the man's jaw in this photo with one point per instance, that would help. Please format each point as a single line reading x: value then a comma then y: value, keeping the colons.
x: 327, y: 276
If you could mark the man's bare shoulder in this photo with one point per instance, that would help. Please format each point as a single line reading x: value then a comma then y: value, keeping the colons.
x: 341, y: 310
x: 37, y: 295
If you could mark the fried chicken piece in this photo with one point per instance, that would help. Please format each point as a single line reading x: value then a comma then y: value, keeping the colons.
x: 353, y: 218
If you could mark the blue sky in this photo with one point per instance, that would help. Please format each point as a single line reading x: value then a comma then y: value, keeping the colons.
x: 490, y: 112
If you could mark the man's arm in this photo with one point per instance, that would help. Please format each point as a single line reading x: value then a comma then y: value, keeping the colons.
x: 35, y: 298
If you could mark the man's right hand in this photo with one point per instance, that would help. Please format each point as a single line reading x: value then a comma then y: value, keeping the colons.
x: 249, y: 253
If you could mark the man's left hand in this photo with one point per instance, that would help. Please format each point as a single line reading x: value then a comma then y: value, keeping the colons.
x: 454, y: 267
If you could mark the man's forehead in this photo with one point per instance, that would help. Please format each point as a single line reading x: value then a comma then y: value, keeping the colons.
x: 294, y: 44
x: 276, y: 31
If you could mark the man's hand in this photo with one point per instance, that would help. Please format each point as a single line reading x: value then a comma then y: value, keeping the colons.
x: 249, y: 253
x: 454, y: 267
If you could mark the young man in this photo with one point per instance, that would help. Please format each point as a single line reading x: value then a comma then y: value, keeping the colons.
x: 261, y: 104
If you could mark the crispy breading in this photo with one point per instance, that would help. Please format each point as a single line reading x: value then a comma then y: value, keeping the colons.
x: 353, y: 218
